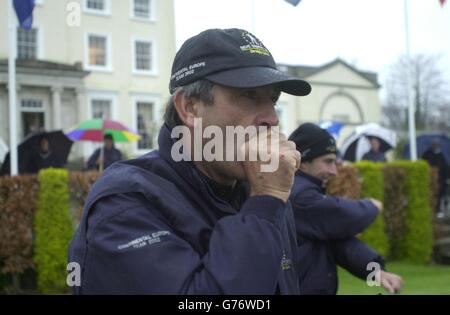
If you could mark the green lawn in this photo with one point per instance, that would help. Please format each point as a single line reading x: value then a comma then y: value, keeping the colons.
x: 418, y: 279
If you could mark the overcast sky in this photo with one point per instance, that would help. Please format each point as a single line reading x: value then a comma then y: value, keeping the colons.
x: 368, y: 34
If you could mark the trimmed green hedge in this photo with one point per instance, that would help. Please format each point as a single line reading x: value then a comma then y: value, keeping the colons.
x: 394, y: 211
x: 407, y: 217
x: 416, y: 242
x: 53, y: 229
x: 373, y: 187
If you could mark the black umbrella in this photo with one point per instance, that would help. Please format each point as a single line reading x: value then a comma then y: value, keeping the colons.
x: 424, y: 143
x: 30, y: 160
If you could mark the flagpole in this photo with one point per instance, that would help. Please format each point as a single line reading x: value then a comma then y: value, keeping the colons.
x: 12, y: 90
x: 411, y: 118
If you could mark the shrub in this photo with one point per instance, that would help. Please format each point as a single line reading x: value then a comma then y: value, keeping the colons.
x: 416, y: 242
x: 346, y: 183
x: 395, y: 201
x: 54, y: 230
x: 373, y: 187
x: 80, y: 184
x: 17, y: 206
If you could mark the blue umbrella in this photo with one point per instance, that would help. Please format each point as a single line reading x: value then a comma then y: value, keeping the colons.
x: 424, y: 143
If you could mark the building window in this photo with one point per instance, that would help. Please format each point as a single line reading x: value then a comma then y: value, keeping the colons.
x: 32, y: 116
x: 142, y: 9
x: 97, y: 6
x: 97, y: 51
x: 146, y: 125
x: 143, y: 61
x: 101, y: 109
x: 27, y: 45
x: 98, y: 54
x: 31, y: 104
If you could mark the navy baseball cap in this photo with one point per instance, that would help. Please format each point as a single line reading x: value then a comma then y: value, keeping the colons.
x: 233, y: 58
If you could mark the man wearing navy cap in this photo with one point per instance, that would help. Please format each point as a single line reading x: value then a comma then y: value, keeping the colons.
x: 177, y: 222
x: 327, y: 226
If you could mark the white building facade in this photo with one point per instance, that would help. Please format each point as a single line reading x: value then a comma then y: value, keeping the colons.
x: 340, y: 93
x: 91, y: 59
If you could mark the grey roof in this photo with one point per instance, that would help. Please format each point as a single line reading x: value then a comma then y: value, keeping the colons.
x: 44, y: 67
x: 306, y: 71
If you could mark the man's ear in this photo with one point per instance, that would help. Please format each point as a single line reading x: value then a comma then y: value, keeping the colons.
x: 187, y: 108
x: 304, y: 166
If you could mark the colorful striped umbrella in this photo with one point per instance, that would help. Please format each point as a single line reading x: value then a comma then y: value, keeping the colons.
x: 95, y: 129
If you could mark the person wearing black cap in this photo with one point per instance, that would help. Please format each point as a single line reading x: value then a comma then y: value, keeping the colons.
x: 163, y: 225
x: 327, y: 226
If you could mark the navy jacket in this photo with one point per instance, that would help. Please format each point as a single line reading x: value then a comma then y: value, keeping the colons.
x: 109, y: 157
x: 374, y: 156
x: 155, y: 226
x: 326, y: 228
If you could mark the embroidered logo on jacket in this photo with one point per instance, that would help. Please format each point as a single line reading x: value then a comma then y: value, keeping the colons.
x: 145, y: 240
x: 286, y: 263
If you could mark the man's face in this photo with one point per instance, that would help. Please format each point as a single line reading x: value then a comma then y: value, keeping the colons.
x: 375, y: 144
x: 44, y: 145
x: 238, y: 107
x: 108, y: 144
x: 322, y: 167
x: 435, y: 146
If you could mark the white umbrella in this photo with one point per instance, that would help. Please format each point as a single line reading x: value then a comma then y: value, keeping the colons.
x: 356, y: 144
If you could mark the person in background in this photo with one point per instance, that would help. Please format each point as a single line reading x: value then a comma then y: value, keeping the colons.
x: 110, y: 155
x: 374, y: 154
x: 44, y: 157
x: 327, y: 226
x: 436, y: 158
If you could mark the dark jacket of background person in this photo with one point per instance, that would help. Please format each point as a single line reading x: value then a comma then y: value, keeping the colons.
x: 326, y: 229
x: 41, y: 160
x: 437, y: 159
x: 109, y: 157
x: 374, y: 156
x: 44, y: 157
x: 156, y: 226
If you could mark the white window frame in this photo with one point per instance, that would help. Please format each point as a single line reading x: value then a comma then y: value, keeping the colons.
x: 89, y: 147
x: 44, y: 109
x: 151, y: 18
x: 106, y: 12
x: 109, y: 55
x: 40, y: 42
x: 151, y: 98
x: 104, y: 96
x: 153, y: 65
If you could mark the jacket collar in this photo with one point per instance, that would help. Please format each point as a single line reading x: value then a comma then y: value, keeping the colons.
x: 191, y: 175
x: 313, y: 180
